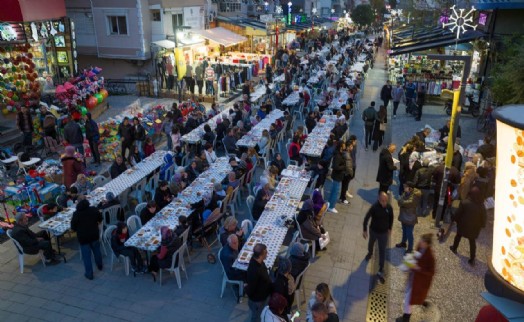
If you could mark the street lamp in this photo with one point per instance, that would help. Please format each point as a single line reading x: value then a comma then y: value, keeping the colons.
x: 289, y: 4
x: 314, y: 11
x: 266, y: 5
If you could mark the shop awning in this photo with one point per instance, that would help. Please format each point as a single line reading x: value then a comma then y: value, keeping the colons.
x: 436, y: 39
x: 31, y: 10
x: 167, y: 44
x: 222, y: 36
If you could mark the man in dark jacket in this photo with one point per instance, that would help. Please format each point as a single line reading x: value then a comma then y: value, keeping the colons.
x: 437, y: 178
x: 228, y: 256
x: 386, y: 168
x: 118, y: 167
x: 259, y: 285
x: 381, y: 215
x: 230, y: 143
x: 487, y: 150
x: 369, y: 116
x: 385, y: 93
x: 422, y: 181
x: 139, y: 135
x: 338, y: 171
x: 470, y: 218
x: 24, y: 123
x: 86, y: 221
x: 73, y: 135
x: 125, y: 131
x: 93, y: 136
x: 32, y: 242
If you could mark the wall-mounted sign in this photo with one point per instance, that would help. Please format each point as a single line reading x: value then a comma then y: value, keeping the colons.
x: 11, y: 32
x: 266, y: 18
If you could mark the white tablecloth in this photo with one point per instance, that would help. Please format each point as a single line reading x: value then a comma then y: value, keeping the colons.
x: 317, y: 139
x: 148, y: 237
x: 270, y: 229
x: 195, y: 136
x: 292, y: 99
x: 252, y: 137
x: 61, y: 222
x: 260, y: 91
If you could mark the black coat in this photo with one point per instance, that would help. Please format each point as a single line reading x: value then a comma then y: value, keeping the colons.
x: 385, y: 167
x: 117, y: 170
x: 26, y: 237
x: 259, y: 285
x: 470, y: 218
x: 298, y: 264
x: 422, y: 179
x: 338, y: 169
x: 73, y: 133
x: 85, y: 222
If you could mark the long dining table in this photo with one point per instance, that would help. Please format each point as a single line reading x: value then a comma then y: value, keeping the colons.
x: 148, y: 237
x: 317, y: 139
x: 61, y: 222
x: 195, y: 135
x: 251, y: 138
x: 271, y: 228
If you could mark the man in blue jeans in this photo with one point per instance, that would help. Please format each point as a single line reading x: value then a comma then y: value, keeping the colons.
x: 381, y: 215
x: 86, y: 221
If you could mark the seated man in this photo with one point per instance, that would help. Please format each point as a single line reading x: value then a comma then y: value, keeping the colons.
x: 68, y: 199
x: 163, y: 195
x: 110, y: 201
x: 32, y: 242
x: 230, y: 142
x: 228, y: 256
x: 148, y: 212
x: 118, y: 167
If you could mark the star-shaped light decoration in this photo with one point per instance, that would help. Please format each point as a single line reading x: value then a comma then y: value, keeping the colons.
x: 459, y: 20
x: 279, y: 10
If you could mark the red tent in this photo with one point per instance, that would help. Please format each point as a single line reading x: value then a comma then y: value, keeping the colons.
x: 32, y: 10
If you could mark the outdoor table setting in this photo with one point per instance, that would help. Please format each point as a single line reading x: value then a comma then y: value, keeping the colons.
x: 315, y: 78
x: 61, y: 222
x: 148, y: 237
x: 195, y: 136
x: 251, y: 138
x: 260, y: 91
x: 341, y: 97
x: 280, y: 78
x: 317, y: 139
x: 271, y: 228
x: 292, y: 99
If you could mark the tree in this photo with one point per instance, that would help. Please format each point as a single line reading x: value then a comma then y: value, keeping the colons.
x: 508, y: 72
x: 363, y: 15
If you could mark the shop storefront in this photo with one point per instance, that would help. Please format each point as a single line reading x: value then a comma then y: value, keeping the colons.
x: 34, y: 55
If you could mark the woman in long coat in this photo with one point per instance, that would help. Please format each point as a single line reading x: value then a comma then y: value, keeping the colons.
x: 72, y: 166
x: 420, y: 277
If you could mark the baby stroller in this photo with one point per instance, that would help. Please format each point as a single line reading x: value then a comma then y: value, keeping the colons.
x: 204, y: 229
x: 411, y: 108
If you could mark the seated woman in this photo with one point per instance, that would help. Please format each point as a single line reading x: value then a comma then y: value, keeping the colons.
x: 163, y: 195
x: 294, y: 150
x: 231, y: 182
x: 118, y: 238
x: 305, y: 218
x: 262, y: 197
x: 218, y: 195
x: 169, y: 245
x: 318, y: 205
x: 299, y: 259
x: 179, y: 179
x: 279, y: 163
x: 321, y: 295
x: 149, y: 147
x: 83, y: 185
x: 211, y: 156
x: 68, y: 199
x: 263, y: 142
x: 231, y: 227
x: 134, y: 157
x: 192, y: 172
x: 201, y: 161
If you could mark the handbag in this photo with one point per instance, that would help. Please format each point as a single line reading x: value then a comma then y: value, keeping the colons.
x: 324, y: 240
x: 382, y: 127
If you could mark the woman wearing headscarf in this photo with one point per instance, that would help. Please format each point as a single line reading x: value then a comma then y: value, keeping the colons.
x: 299, y: 259
x: 118, y: 239
x: 72, y: 165
x: 262, y: 197
x: 169, y: 245
x: 318, y: 204
x: 284, y: 283
x: 305, y: 218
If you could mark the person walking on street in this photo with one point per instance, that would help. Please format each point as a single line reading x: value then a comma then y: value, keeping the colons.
x: 381, y: 216
x: 210, y: 77
x: 349, y: 172
x: 24, y: 123
x: 470, y: 218
x: 338, y: 170
x: 386, y: 93
x: 386, y: 168
x: 139, y: 135
x: 379, y: 128
x: 410, y: 94
x: 86, y: 221
x: 93, y: 136
x: 167, y: 128
x: 420, y: 277
x: 369, y: 116
x: 408, y: 204
x: 421, y: 100
x: 125, y: 131
x: 397, y: 94
x: 199, y: 78
x: 259, y: 284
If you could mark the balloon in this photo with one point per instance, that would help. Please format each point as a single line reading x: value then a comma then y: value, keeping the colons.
x: 99, y: 98
x: 15, y: 98
x: 5, y: 111
x: 83, y: 110
x: 91, y: 102
x: 104, y: 93
x: 10, y: 94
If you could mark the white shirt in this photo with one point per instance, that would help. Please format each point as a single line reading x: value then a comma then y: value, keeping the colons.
x: 268, y: 316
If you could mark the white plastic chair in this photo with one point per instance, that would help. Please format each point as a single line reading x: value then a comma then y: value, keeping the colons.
x: 300, y: 281
x: 184, y: 247
x: 40, y: 213
x: 133, y: 224
x: 247, y: 227
x: 311, y: 187
x: 99, y: 181
x: 21, y: 253
x: 111, y: 213
x: 25, y: 164
x: 152, y: 184
x: 107, y: 240
x: 174, y: 269
x: 313, y: 242
x: 139, y: 191
x: 139, y: 208
x: 226, y: 280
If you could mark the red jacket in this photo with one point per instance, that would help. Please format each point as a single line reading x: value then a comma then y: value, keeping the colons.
x: 72, y: 167
x: 149, y: 149
x: 423, y: 277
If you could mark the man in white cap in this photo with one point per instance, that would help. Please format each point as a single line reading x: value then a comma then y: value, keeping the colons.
x: 32, y: 242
